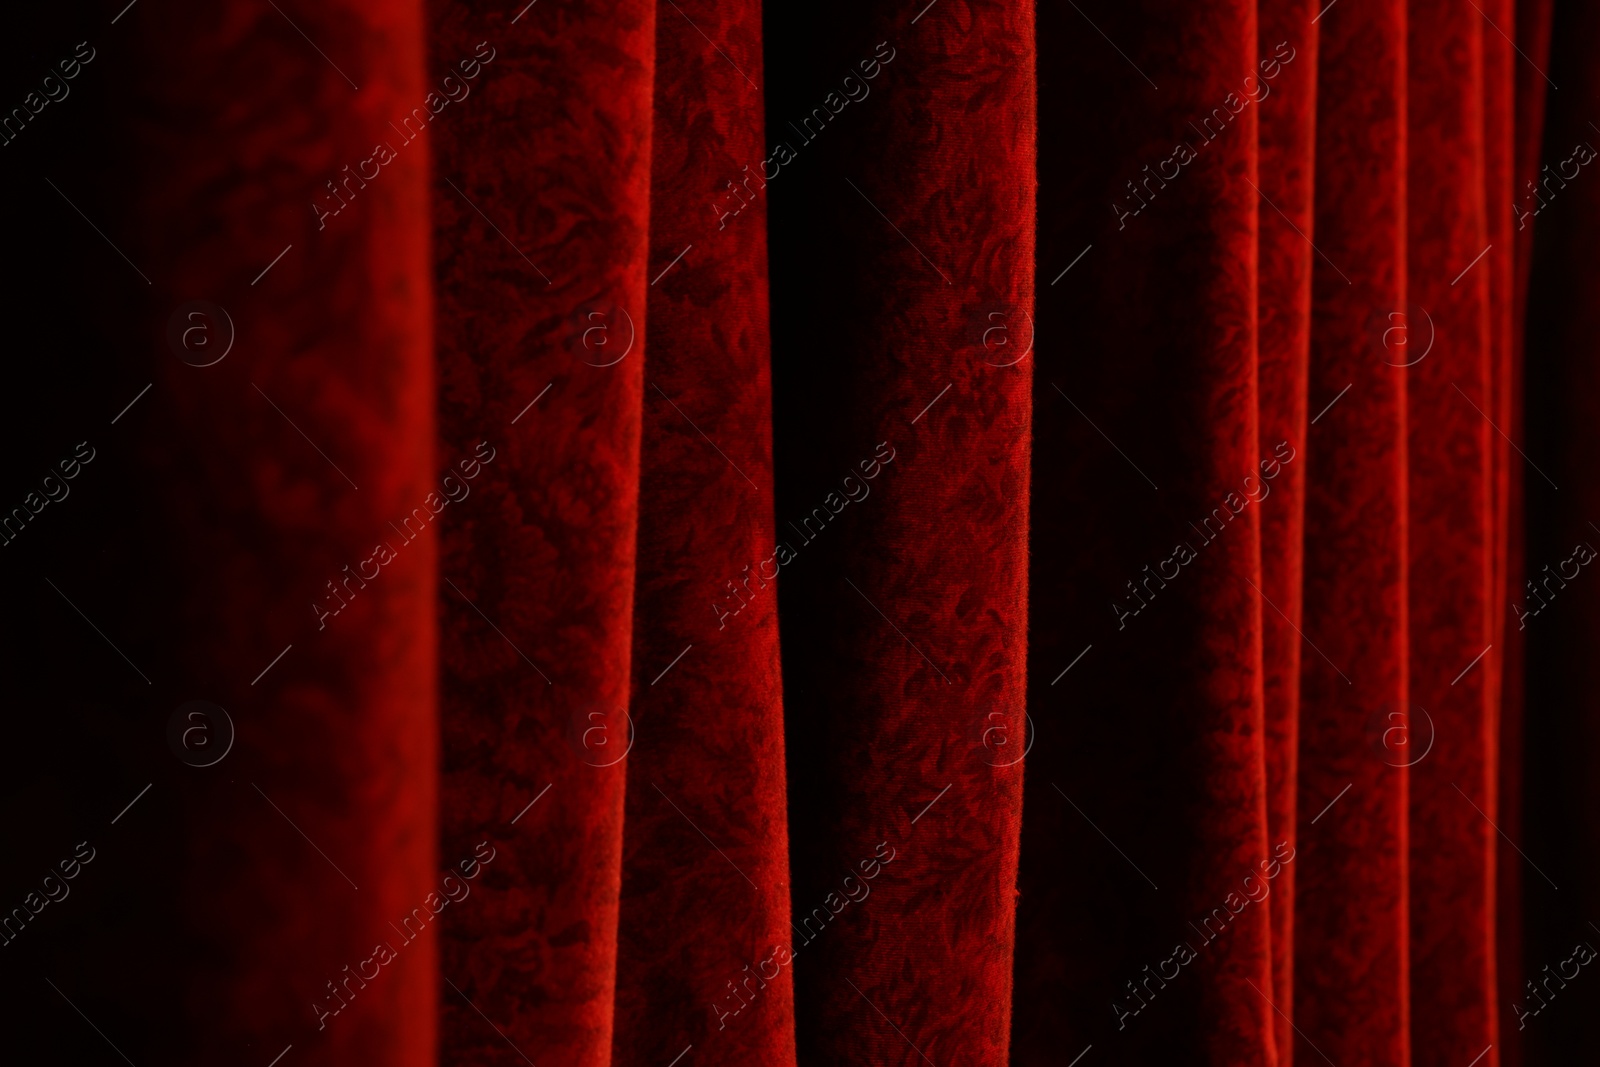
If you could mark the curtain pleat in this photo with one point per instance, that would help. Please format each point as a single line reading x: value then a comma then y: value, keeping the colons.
x: 902, y: 306
x: 273, y: 470
x: 541, y: 202
x: 1450, y: 523
x: 1499, y: 156
x: 706, y: 830
x: 1287, y: 171
x: 1352, y: 1000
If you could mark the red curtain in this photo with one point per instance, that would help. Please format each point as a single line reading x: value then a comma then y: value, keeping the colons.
x: 938, y: 533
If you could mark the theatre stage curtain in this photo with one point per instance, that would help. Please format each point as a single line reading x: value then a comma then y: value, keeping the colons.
x: 886, y: 533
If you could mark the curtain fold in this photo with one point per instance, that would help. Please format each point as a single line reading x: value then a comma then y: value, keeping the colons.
x: 1352, y: 997
x: 902, y: 243
x: 292, y: 417
x: 1451, y: 534
x: 1287, y: 176
x: 541, y: 199
x: 944, y: 533
x: 706, y: 811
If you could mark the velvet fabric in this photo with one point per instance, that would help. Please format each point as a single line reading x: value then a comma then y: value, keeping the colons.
x: 331, y: 380
x: 949, y: 533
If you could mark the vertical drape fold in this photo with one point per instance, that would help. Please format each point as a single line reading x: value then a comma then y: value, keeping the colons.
x: 1286, y: 171
x: 541, y: 200
x: 705, y: 955
x: 1351, y: 922
x: 902, y: 243
x: 291, y: 419
x: 1449, y: 393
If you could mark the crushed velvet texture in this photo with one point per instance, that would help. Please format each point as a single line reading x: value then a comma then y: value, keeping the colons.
x: 1351, y: 948
x: 1450, y: 500
x: 966, y: 540
x: 902, y: 292
x: 541, y: 194
x: 706, y: 830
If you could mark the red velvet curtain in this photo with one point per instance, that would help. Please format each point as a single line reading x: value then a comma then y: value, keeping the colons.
x: 940, y: 533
